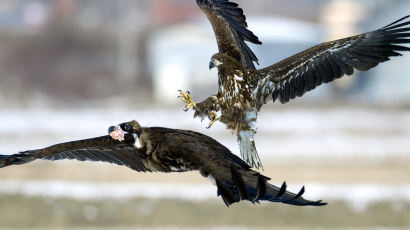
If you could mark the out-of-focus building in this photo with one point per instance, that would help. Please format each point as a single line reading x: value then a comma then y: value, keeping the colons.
x: 69, y: 51
x: 192, y: 45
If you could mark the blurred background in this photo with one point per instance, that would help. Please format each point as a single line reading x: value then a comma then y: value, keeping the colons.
x: 71, y: 68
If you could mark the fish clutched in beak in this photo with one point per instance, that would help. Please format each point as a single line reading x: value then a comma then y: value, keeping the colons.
x: 117, y: 133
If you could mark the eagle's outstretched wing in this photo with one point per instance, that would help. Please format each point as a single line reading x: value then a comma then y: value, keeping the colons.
x: 102, y: 148
x: 230, y: 29
x: 323, y: 63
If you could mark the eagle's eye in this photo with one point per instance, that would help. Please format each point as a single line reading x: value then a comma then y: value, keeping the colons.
x: 127, y: 127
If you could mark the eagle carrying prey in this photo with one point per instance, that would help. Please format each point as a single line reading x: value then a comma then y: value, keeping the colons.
x: 243, y: 89
x: 157, y: 149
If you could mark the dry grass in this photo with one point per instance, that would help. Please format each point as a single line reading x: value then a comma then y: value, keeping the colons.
x: 23, y: 212
x: 349, y: 171
x: 18, y: 212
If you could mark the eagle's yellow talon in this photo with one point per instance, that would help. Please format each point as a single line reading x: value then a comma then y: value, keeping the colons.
x: 213, y: 116
x: 186, y: 97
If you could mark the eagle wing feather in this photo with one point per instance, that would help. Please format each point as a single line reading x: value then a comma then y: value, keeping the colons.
x: 234, y: 178
x: 103, y: 149
x: 296, y: 75
x: 235, y: 183
x: 230, y: 27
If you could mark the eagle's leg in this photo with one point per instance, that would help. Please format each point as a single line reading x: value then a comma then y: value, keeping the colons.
x: 186, y: 97
x: 210, y: 104
x: 213, y: 116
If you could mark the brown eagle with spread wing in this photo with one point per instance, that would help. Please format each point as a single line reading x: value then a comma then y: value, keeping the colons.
x: 158, y: 149
x: 243, y: 89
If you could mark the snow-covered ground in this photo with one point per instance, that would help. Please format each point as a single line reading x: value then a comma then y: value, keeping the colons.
x: 338, y: 132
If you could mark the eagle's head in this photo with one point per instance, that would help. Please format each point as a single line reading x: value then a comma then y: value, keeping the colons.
x: 121, y: 131
x: 221, y: 60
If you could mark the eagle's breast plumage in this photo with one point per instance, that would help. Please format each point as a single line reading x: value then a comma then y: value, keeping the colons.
x: 234, y: 88
x: 236, y: 98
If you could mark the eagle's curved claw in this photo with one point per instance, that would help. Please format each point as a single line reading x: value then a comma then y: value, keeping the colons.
x: 186, y: 97
x: 213, y: 116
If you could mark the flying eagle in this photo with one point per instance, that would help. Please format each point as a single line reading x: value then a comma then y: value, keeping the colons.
x: 157, y: 149
x: 243, y: 89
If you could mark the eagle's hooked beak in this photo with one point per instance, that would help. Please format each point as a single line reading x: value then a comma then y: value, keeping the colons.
x: 211, y: 64
x: 214, y: 63
x: 116, y: 133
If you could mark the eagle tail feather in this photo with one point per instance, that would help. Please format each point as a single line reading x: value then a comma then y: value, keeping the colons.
x: 254, y: 187
x: 272, y: 193
x: 248, y: 149
x: 17, y: 159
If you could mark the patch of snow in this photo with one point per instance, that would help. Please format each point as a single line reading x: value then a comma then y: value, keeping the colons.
x: 368, y: 133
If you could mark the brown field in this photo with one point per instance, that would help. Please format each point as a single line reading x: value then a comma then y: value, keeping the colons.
x: 394, y: 171
x: 19, y: 212
x: 24, y: 212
